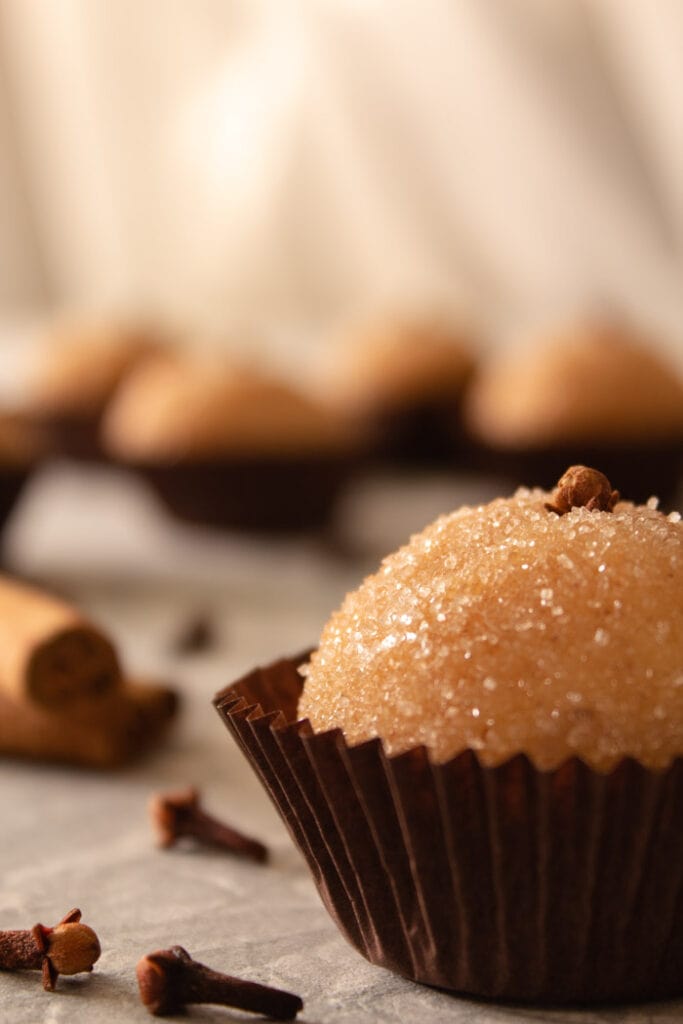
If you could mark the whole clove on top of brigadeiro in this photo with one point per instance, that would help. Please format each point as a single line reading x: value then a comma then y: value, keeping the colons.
x: 582, y: 487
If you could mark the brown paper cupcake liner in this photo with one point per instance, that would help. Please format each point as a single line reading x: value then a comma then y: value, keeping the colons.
x: 76, y: 437
x: 285, y: 495
x: 424, y: 435
x: 505, y: 882
x: 12, y: 481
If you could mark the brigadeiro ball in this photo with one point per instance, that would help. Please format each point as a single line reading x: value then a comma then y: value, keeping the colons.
x: 512, y: 628
x: 484, y: 766
x: 79, y: 364
x: 595, y: 392
x: 402, y: 378
x: 227, y: 445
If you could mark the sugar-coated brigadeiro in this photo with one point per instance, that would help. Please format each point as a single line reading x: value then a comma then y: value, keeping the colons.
x: 390, y: 363
x: 185, y: 407
x: 594, y: 382
x: 83, y: 362
x: 511, y: 628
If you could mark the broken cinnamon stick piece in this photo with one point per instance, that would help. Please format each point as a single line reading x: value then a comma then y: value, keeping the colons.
x: 50, y: 654
x: 104, y: 734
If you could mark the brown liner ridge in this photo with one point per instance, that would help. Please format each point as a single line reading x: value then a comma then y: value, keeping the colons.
x: 505, y: 882
x: 278, y: 494
x: 12, y: 481
x: 424, y: 434
x: 71, y: 435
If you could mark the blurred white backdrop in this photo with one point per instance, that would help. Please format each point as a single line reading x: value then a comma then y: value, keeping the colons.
x: 288, y: 162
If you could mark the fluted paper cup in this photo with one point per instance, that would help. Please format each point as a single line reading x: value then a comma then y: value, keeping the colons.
x: 12, y: 482
x: 510, y: 883
x: 278, y: 495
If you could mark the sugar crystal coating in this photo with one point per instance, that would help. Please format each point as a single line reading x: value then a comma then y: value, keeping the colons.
x: 506, y: 629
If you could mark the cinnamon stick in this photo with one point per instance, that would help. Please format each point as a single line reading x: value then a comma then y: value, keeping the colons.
x: 51, y: 655
x: 103, y: 734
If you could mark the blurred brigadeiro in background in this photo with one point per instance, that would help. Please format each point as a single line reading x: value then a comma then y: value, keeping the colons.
x: 464, y: 173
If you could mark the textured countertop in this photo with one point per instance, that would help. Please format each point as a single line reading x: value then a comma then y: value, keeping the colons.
x: 73, y: 838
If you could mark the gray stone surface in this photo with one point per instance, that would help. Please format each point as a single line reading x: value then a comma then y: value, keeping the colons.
x: 72, y: 838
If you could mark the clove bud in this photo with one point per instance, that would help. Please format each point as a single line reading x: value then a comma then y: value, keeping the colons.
x: 582, y: 487
x: 169, y: 980
x: 68, y: 948
x: 179, y: 814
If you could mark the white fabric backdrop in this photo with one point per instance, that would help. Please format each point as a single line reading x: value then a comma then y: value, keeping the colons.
x: 261, y: 159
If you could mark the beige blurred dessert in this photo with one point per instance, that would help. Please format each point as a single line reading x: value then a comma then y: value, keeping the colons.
x: 78, y: 367
x: 229, y: 445
x: 585, y: 383
x: 403, y: 376
x: 198, y: 407
x: 596, y: 392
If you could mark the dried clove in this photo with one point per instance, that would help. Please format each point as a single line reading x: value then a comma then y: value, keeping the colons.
x: 179, y: 814
x: 196, y: 636
x: 68, y: 948
x: 169, y: 980
x: 582, y: 487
